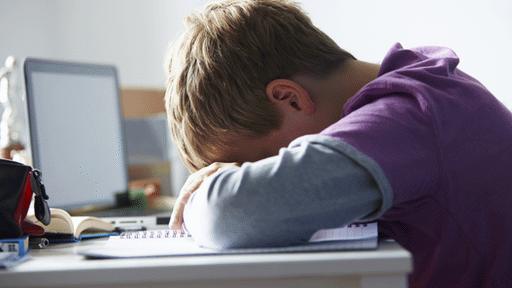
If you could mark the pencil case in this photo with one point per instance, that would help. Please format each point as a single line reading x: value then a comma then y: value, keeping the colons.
x: 18, y: 183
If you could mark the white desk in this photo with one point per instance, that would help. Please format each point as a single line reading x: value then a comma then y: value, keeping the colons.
x: 59, y: 266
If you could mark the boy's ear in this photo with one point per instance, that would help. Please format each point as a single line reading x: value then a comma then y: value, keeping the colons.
x: 290, y: 96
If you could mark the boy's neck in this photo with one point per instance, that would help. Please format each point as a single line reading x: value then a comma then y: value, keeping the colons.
x: 353, y: 76
x: 332, y: 92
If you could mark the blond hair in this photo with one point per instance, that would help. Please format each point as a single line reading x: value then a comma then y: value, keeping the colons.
x: 219, y: 69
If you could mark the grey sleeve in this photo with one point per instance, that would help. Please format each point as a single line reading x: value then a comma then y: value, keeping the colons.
x: 317, y: 182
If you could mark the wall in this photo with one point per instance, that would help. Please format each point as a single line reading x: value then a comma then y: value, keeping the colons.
x: 131, y: 34
x: 134, y: 34
x: 480, y: 32
x: 26, y: 30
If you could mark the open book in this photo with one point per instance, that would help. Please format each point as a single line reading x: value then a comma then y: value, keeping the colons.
x: 154, y: 243
x: 64, y: 228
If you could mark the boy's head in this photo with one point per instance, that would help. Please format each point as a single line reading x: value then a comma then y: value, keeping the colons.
x: 232, y: 71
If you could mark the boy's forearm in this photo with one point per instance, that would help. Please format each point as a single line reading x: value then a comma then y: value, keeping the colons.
x: 284, y: 199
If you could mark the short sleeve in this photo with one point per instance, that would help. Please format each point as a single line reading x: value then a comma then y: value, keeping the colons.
x: 397, y: 133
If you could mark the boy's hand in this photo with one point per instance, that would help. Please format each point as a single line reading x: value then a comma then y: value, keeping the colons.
x: 193, y: 182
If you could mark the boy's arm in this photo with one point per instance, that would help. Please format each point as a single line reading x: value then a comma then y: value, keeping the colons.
x: 318, y: 182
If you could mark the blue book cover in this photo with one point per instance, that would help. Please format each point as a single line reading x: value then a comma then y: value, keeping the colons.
x: 18, y: 246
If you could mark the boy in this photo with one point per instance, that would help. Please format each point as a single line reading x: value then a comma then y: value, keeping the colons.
x: 414, y: 143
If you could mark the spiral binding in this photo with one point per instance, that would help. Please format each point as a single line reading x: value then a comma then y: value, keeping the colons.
x: 154, y: 234
x: 174, y: 234
x: 357, y: 225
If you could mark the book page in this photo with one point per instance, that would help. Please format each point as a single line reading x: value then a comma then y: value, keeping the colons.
x: 60, y: 222
x: 90, y: 224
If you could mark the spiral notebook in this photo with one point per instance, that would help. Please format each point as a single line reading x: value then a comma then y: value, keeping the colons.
x: 158, y: 243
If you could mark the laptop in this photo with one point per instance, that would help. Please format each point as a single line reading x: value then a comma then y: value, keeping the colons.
x: 77, y: 139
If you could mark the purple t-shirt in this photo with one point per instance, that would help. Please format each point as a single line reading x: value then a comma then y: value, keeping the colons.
x: 445, y: 144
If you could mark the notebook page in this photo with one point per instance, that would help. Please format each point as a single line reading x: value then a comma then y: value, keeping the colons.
x: 354, y: 231
x: 153, y: 243
x: 157, y: 243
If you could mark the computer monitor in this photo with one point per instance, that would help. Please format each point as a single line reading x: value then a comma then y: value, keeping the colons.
x: 76, y: 131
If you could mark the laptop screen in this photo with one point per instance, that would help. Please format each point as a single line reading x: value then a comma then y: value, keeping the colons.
x: 76, y: 131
